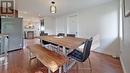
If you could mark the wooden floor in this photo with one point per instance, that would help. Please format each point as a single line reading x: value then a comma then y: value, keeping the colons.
x: 19, y: 63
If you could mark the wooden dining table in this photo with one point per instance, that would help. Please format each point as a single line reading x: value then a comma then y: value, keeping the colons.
x: 68, y: 43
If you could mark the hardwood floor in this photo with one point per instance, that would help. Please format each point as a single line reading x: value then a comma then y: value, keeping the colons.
x: 18, y: 62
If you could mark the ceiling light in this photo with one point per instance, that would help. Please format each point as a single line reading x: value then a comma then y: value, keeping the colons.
x: 53, y: 7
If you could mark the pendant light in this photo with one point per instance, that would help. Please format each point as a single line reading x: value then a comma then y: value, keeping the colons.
x: 53, y: 7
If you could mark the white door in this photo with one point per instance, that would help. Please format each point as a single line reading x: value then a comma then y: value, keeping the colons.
x: 72, y: 25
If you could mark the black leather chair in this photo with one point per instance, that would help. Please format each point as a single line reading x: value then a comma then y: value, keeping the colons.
x: 61, y: 34
x: 70, y: 35
x: 82, y: 56
x: 45, y: 34
x: 56, y: 47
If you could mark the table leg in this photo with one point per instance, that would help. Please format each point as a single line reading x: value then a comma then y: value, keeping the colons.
x: 41, y: 43
x: 49, y: 71
x: 70, y: 65
x: 64, y: 51
x: 65, y: 65
x: 60, y: 69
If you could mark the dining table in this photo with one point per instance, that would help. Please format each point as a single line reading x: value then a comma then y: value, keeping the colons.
x: 67, y: 43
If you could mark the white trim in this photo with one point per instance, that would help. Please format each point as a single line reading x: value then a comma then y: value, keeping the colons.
x: 122, y: 40
x: 14, y: 6
x: 122, y: 64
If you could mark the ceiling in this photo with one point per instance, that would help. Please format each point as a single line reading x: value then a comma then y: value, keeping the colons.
x: 41, y: 7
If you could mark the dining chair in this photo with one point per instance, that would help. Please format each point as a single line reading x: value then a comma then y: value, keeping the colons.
x: 70, y: 35
x: 55, y: 47
x: 61, y: 34
x: 45, y: 34
x: 82, y: 56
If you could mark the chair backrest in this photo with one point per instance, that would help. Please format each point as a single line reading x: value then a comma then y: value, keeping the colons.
x: 87, y: 47
x: 60, y: 34
x: 70, y: 35
x: 45, y: 34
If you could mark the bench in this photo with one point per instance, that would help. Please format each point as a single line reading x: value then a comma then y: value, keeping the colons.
x: 50, y: 59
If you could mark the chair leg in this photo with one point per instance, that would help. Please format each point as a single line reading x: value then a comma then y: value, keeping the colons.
x: 30, y: 57
x: 77, y: 69
x: 90, y: 65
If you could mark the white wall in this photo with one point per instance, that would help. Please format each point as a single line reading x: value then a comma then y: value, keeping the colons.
x: 50, y: 25
x: 61, y: 24
x: 100, y: 20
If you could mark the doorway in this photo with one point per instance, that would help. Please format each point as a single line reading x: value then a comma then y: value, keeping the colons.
x: 72, y: 24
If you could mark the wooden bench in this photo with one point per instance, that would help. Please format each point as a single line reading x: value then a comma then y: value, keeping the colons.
x: 50, y: 59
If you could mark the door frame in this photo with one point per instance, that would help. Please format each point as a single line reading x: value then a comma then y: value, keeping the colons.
x: 67, y: 28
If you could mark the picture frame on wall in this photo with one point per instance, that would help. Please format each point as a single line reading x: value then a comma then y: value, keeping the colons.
x: 126, y: 8
x: 7, y: 7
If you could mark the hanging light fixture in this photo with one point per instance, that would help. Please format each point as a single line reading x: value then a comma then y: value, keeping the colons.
x: 53, y: 7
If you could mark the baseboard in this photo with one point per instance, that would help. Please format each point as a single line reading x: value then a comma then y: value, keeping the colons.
x: 103, y: 53
x: 122, y: 64
x: 110, y: 54
x: 15, y: 50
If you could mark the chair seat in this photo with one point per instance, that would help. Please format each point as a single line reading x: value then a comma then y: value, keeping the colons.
x: 77, y: 55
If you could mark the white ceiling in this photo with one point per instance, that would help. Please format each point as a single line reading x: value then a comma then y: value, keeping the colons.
x: 41, y: 7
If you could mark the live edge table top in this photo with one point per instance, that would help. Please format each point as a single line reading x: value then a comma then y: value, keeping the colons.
x: 68, y: 42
